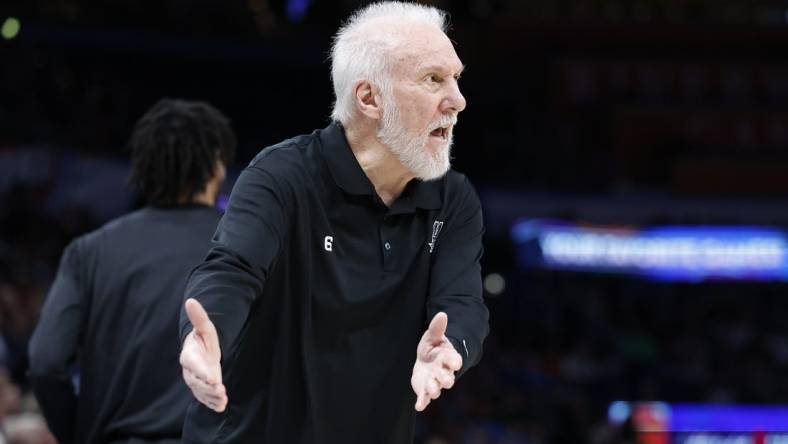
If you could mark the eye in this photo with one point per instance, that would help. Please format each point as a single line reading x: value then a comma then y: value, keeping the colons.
x: 434, y: 78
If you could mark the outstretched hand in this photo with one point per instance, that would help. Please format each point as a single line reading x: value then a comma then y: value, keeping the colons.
x: 436, y: 362
x: 201, y: 359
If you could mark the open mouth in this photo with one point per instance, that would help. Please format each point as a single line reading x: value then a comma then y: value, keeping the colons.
x: 441, y: 132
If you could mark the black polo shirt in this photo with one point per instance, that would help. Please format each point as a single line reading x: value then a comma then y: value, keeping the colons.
x: 320, y: 294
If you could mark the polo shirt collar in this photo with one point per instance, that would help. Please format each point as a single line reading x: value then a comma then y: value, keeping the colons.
x: 342, y: 164
x: 425, y: 195
x: 349, y: 176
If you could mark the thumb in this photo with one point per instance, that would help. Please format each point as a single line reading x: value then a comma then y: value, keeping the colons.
x: 437, y: 327
x: 198, y: 317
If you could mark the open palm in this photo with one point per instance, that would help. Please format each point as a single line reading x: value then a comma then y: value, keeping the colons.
x: 436, y: 362
x: 201, y: 359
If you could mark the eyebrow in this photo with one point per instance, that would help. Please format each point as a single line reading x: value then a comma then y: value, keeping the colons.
x: 439, y: 68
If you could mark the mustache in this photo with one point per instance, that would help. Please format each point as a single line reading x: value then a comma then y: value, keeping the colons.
x: 444, y: 120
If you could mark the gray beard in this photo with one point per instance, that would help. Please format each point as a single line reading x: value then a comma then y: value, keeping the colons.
x: 410, y: 149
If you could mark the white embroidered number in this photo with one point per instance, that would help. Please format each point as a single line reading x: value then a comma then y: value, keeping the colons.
x: 328, y: 243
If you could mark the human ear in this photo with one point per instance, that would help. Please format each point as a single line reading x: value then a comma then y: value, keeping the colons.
x: 367, y: 99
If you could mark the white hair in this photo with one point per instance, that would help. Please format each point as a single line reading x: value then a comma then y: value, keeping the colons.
x: 361, y: 53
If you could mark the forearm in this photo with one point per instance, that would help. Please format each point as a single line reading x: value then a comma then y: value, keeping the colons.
x: 246, y: 245
x: 226, y: 286
x: 54, y: 344
x: 456, y: 286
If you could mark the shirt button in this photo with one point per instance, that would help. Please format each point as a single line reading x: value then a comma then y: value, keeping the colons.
x: 387, y: 246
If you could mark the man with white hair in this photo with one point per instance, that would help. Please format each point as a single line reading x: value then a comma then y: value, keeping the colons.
x: 343, y: 289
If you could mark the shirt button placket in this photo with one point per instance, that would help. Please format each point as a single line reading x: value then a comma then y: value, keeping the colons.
x: 385, y: 236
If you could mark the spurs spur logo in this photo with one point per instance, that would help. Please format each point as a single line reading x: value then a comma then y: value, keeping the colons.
x: 436, y: 229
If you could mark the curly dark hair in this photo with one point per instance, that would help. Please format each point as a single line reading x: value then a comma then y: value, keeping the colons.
x: 174, y: 149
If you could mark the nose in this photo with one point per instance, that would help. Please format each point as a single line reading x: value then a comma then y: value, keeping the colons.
x: 454, y: 101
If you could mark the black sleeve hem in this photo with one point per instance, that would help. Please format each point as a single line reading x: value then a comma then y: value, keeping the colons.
x: 466, y: 364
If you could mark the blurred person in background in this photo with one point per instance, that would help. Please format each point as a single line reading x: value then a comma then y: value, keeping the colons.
x: 113, y: 308
x: 306, y: 323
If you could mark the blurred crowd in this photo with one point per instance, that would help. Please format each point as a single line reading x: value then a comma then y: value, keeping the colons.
x: 31, y: 242
x: 262, y: 16
x: 564, y: 347
x: 640, y: 107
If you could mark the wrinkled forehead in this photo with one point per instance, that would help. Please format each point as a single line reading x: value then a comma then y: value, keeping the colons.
x: 436, y: 52
x: 415, y: 45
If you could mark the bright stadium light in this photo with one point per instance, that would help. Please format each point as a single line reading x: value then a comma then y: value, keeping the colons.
x: 670, y: 252
x: 494, y: 284
x: 10, y: 28
x: 618, y: 412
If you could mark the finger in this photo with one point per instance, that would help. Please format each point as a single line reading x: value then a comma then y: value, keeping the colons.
x: 193, y: 380
x: 209, y: 392
x: 213, y: 397
x: 422, y: 401
x: 433, y: 390
x: 436, y: 395
x: 208, y: 399
x: 213, y: 400
x: 445, y: 379
x: 213, y: 404
x: 450, y: 359
x: 199, y: 317
x: 437, y: 328
x: 193, y: 359
x: 198, y: 385
x: 192, y: 365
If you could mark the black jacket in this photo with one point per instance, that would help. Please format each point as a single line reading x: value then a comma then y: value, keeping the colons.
x: 112, y: 315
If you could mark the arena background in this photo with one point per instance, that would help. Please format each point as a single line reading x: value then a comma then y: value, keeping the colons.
x: 596, y: 117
